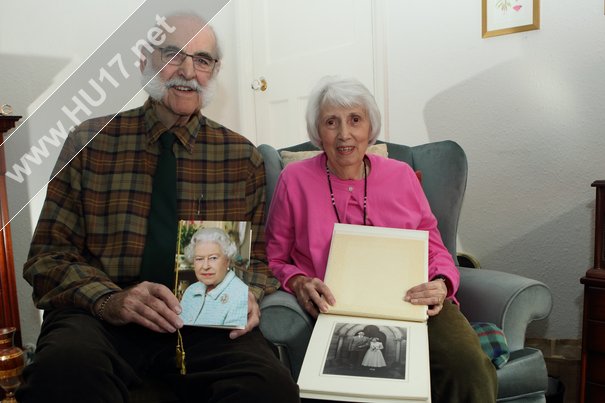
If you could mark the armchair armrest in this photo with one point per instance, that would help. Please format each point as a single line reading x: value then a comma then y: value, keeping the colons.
x: 285, y: 324
x: 514, y: 301
x: 273, y: 167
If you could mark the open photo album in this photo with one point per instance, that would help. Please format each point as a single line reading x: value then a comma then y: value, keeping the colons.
x: 371, y: 346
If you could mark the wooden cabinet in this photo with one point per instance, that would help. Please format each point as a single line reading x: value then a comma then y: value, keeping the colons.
x: 592, y: 388
x: 9, y: 310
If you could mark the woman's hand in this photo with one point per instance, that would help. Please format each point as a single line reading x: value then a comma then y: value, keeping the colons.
x: 312, y: 294
x: 432, y: 294
x: 253, y: 318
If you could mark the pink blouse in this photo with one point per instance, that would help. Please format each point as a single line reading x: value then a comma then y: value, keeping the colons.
x: 301, y: 216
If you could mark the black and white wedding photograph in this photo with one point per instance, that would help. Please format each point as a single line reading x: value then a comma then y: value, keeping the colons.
x: 367, y: 351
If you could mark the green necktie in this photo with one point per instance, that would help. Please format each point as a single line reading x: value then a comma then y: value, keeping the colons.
x: 162, y: 225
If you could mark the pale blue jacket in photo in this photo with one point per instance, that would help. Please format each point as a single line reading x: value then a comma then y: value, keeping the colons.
x: 225, y: 305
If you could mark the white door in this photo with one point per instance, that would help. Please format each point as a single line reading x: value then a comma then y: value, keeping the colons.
x: 291, y: 44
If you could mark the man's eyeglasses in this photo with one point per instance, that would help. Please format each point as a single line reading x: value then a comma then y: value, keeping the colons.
x: 201, y: 61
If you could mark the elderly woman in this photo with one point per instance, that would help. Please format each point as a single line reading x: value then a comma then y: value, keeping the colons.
x: 219, y: 298
x: 345, y: 185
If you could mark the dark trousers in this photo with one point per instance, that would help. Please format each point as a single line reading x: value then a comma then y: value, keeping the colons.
x: 460, y: 370
x: 356, y: 357
x: 80, y: 359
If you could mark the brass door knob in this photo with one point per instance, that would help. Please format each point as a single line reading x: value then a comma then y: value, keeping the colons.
x: 259, y: 84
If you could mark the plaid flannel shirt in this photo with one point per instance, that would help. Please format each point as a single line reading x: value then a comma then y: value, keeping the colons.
x: 90, y: 237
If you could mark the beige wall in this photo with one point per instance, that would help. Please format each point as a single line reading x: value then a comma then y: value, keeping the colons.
x: 527, y: 109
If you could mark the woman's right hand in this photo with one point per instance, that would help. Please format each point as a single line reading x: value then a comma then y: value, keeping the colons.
x: 312, y: 294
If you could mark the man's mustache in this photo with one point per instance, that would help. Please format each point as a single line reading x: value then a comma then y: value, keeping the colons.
x: 180, y: 82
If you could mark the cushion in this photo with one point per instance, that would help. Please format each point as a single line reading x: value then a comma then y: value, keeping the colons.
x: 493, y: 342
x: 291, y: 156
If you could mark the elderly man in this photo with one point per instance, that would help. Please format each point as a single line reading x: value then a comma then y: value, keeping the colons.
x: 101, y: 267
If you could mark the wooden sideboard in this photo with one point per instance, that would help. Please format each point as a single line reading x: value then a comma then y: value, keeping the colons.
x: 9, y: 309
x: 592, y: 387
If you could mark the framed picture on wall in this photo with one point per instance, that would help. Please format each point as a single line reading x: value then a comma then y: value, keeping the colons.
x: 501, y: 17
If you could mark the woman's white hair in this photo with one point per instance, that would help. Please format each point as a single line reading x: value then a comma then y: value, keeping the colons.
x: 340, y: 92
x: 215, y: 235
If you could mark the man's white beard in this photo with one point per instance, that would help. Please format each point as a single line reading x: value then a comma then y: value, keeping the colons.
x: 156, y: 88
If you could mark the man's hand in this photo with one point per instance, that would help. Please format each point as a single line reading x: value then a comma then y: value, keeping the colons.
x: 150, y: 305
x: 253, y: 318
x: 312, y: 294
x: 432, y: 294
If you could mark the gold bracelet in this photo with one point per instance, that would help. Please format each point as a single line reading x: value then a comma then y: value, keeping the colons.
x: 101, y: 310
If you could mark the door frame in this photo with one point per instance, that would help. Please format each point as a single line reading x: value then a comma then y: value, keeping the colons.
x: 245, y: 70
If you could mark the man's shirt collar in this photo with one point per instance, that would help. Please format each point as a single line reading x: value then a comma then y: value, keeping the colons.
x: 186, y: 134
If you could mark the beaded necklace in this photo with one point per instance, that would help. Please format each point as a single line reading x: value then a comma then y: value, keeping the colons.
x: 365, y: 191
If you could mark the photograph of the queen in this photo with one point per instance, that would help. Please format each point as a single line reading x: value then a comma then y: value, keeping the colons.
x: 219, y: 297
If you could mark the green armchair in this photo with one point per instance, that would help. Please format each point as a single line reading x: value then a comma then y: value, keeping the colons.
x: 507, y: 300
